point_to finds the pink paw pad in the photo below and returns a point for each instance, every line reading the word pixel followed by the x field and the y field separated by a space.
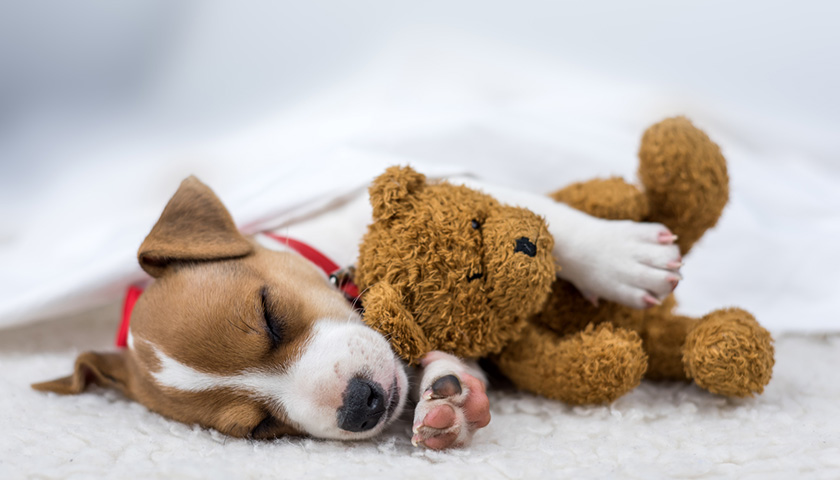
pixel 449 423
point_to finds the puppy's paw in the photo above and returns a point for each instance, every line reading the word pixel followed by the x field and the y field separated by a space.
pixel 635 264
pixel 453 404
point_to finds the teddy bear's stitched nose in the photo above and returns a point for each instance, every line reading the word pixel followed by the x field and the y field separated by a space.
pixel 525 246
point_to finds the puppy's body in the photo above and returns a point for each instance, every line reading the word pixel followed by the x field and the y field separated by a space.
pixel 242 335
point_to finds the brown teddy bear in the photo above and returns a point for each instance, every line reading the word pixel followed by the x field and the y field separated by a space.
pixel 424 250
pixel 581 353
pixel 445 267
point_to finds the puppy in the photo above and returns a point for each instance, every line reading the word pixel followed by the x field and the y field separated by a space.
pixel 257 342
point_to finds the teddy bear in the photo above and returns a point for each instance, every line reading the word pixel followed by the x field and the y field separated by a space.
pixel 422 256
pixel 583 353
pixel 424 248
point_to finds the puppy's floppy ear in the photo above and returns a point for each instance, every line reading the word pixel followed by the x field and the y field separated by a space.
pixel 389 191
pixel 103 369
pixel 194 226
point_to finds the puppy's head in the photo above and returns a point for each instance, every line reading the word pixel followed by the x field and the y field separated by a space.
pixel 246 340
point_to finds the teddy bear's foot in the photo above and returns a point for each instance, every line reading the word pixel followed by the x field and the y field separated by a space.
pixel 729 353
pixel 685 179
pixel 594 366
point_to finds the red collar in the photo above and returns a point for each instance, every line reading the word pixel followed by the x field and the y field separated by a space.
pixel 336 274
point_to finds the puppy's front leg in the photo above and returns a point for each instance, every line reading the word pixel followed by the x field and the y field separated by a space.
pixel 452 402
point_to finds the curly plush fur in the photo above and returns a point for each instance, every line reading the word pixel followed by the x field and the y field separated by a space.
pixel 589 354
pixel 440 267
pixel 428 241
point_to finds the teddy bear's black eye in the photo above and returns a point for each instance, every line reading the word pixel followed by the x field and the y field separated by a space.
pixel 475 224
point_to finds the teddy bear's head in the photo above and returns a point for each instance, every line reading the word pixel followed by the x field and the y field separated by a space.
pixel 461 271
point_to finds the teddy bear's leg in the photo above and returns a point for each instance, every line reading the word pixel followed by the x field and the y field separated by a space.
pixel 663 336
pixel 726 352
pixel 729 353
pixel 385 312
pixel 596 365
pixel 685 179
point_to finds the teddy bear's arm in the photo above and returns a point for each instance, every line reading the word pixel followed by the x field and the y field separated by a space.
pixel 385 312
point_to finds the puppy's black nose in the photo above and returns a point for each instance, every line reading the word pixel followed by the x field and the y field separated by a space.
pixel 525 246
pixel 364 405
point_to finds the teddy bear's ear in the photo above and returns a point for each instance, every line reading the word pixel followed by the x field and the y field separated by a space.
pixel 389 191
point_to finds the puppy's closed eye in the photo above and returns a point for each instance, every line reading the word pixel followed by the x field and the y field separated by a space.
pixel 275 325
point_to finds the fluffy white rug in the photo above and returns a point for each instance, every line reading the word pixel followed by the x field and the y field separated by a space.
pixel 657 431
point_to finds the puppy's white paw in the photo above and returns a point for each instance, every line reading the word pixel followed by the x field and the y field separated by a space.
pixel 635 264
pixel 453 404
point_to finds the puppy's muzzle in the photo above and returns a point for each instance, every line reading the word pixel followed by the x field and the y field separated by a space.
pixel 364 404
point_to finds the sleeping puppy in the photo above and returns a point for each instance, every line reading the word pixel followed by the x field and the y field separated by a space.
pixel 256 342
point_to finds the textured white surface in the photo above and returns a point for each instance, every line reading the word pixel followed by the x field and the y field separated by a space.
pixel 657 431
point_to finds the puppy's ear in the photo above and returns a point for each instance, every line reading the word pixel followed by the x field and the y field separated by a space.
pixel 390 191
pixel 194 226
pixel 103 369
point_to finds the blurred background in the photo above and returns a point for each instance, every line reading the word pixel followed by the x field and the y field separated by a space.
pixel 106 106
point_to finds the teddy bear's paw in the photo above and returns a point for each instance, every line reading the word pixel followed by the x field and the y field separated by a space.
pixel 385 312
pixel 729 353
pixel 453 404
pixel 635 264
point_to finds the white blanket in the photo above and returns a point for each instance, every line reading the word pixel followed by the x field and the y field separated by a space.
pixel 514 120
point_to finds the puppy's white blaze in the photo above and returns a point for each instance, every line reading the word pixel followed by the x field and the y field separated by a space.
pixel 310 391
pixel 174 374
pixel 130 340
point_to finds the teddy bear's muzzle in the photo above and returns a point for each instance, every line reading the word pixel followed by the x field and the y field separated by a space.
pixel 524 245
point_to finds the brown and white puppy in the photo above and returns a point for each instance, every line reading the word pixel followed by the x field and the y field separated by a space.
pixel 258 343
